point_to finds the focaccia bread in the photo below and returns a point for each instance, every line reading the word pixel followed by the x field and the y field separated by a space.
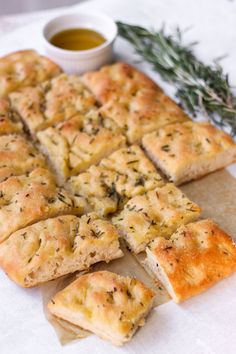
pixel 132 100
pixel 78 143
pixel 190 150
pixel 9 119
pixel 125 173
pixel 97 185
pixel 142 113
pixel 157 213
pixel 30 198
pixel 18 156
pixel 51 102
pixel 117 80
pixel 195 257
pixel 25 68
pixel 107 304
pixel 132 162
pixel 55 247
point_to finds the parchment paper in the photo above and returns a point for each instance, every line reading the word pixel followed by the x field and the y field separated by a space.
pixel 217 189
pixel 216 195
pixel 65 331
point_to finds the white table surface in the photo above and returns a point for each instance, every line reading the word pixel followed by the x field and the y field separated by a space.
pixel 205 324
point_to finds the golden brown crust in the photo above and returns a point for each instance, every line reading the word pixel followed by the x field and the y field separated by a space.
pixel 25 68
pixel 9 119
pixel 157 213
pixel 78 143
pixel 51 102
pixel 30 198
pixel 143 113
pixel 125 173
pixel 132 100
pixel 189 150
pixel 116 80
pixel 195 257
pixel 110 305
pixel 55 247
pixel 18 156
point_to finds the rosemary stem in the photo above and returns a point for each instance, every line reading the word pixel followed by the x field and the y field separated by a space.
pixel 199 87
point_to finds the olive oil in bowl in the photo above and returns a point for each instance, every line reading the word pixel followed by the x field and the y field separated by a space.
pixel 70 40
pixel 77 39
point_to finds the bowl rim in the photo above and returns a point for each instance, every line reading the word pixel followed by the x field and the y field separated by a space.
pixel 86 52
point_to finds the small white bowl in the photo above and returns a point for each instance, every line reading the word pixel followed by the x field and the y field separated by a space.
pixel 80 61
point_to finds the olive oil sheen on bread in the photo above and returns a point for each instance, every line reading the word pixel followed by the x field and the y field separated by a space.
pixel 77 39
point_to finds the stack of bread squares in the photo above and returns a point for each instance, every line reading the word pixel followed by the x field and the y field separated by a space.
pixel 87 160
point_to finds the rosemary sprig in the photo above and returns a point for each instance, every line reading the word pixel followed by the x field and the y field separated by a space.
pixel 200 87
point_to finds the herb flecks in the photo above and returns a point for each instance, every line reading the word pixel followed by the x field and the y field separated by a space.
pixel 140 181
pixel 165 148
pixel 132 161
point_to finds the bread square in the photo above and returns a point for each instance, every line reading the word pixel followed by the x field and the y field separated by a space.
pixel 190 150
pixel 97 186
pixel 9 119
pixel 107 304
pixel 25 68
pixel 157 213
pixel 29 198
pixel 117 80
pixel 145 112
pixel 52 101
pixel 123 174
pixel 132 162
pixel 78 143
pixel 55 247
pixel 195 257
pixel 18 156
pixel 132 100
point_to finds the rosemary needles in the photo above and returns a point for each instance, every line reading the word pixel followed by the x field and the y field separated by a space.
pixel 200 87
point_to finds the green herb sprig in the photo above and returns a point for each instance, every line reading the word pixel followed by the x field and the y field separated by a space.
pixel 200 87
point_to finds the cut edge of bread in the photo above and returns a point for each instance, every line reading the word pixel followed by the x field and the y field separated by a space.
pixel 154 266
pixel 198 168
pixel 83 262
pixel 119 340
